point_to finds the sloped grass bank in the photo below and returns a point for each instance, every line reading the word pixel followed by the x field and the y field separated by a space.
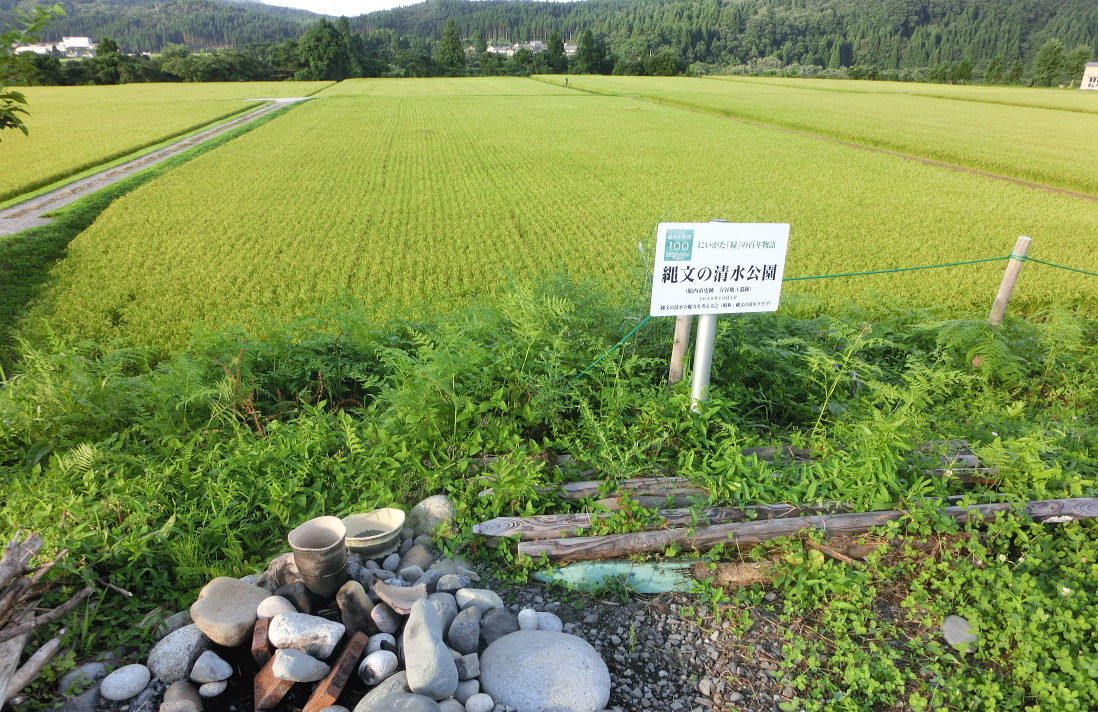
pixel 161 473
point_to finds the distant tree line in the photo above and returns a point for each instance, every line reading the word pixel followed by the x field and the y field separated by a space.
pixel 995 41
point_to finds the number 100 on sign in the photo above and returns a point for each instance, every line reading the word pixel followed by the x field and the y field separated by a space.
pixel 718 268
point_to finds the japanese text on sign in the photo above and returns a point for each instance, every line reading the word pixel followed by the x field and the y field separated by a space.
pixel 718 268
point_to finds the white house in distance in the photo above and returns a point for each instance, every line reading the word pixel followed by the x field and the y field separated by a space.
pixel 68 46
pixel 1090 77
pixel 533 46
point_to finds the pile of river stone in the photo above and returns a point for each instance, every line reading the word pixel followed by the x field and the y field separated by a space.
pixel 434 642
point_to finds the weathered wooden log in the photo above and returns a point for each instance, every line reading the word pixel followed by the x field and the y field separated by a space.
pixel 38 621
pixel 557 526
pixel 750 533
pixel 31 668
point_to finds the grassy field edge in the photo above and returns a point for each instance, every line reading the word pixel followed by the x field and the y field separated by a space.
pixel 26 257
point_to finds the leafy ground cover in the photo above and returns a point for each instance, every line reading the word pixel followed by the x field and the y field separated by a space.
pixel 75 128
pixel 436 196
pixel 1050 147
pixel 161 473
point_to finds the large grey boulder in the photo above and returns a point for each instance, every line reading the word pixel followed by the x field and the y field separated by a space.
pixel 431 669
pixel 426 516
pixel 173 657
pixel 542 671
pixel 226 610
pixel 394 684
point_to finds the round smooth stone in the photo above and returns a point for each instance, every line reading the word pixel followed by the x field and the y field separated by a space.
pixel 125 682
pixel 271 607
pixel 479 702
pixel 213 689
pixel 385 618
pixel 528 619
pixel 375 667
pixel 549 622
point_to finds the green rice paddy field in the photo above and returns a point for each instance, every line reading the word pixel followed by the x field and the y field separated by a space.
pixel 404 190
pixel 74 128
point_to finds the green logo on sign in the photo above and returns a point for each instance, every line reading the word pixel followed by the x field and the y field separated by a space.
pixel 679 246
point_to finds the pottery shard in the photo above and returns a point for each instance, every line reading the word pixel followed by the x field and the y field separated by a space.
pixel 331 687
pixel 226 610
pixel 355 607
pixel 283 570
pixel 400 599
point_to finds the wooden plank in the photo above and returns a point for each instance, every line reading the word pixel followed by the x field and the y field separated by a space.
pixel 750 533
pixel 557 526
pixel 654 486
pixel 649 577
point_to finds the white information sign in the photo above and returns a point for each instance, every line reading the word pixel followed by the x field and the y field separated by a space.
pixel 718 268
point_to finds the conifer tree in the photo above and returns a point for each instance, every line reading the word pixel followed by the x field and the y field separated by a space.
pixel 449 53
pixel 994 72
pixel 555 51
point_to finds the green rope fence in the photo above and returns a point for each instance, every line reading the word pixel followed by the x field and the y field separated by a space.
pixel 1022 258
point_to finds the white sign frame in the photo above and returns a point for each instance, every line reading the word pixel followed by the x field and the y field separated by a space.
pixel 718 268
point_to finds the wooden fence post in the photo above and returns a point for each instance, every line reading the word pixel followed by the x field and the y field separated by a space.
pixel 678 347
pixel 1010 276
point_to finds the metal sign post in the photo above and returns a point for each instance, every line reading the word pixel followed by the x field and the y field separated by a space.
pixel 716 268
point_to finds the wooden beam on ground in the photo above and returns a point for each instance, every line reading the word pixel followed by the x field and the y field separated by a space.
pixel 31 668
pixel 750 533
pixel 557 526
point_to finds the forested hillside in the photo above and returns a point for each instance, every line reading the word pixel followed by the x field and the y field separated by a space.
pixel 886 34
pixel 891 34
pixel 147 25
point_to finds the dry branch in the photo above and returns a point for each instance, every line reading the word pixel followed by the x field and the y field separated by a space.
pixel 749 533
pixel 17 555
pixel 31 668
pixel 39 621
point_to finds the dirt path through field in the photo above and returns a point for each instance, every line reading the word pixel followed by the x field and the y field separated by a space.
pixel 31 213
